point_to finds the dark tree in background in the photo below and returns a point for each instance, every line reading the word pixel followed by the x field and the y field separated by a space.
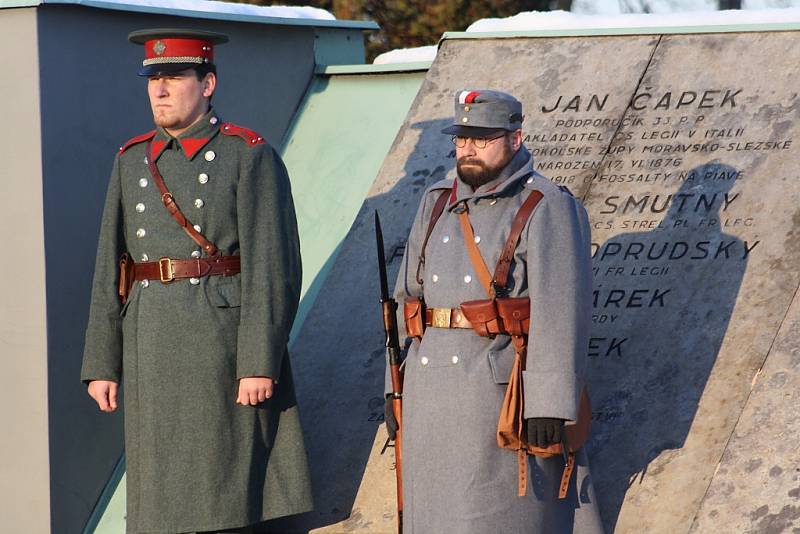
pixel 407 23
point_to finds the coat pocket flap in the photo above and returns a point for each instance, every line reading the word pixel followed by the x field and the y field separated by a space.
pixel 225 291
pixel 501 360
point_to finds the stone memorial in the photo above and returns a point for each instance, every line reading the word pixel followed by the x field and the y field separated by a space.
pixel 682 148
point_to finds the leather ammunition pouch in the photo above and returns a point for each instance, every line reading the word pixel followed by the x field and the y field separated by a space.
pixel 414 315
pixel 503 315
pixel 482 314
pixel 126 277
pixel 515 313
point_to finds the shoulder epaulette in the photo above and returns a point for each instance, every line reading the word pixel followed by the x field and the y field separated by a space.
pixel 248 135
pixel 444 183
pixel 138 139
pixel 565 189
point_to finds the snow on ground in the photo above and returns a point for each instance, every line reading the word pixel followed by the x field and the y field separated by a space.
pixel 565 20
pixel 288 12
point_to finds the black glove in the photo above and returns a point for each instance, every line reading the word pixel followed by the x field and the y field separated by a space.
pixel 388 415
pixel 544 431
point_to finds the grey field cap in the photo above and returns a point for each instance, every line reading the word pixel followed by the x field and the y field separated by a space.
pixel 485 112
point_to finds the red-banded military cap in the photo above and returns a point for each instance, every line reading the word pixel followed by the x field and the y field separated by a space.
pixel 484 113
pixel 169 50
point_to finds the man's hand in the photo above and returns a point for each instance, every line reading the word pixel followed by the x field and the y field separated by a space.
pixel 104 392
pixel 544 431
pixel 254 389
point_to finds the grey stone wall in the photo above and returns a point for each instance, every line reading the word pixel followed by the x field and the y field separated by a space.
pixel 683 150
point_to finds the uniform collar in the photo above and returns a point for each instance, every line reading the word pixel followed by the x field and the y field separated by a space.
pixel 192 140
pixel 520 166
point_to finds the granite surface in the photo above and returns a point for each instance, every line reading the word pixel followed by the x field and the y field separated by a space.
pixel 682 150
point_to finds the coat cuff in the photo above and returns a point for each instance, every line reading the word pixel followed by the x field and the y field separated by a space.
pixel 260 351
pixel 102 353
pixel 551 394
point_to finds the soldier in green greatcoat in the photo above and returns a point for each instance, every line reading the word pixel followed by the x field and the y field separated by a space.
pixel 212 433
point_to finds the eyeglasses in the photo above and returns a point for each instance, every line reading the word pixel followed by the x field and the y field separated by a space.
pixel 479 142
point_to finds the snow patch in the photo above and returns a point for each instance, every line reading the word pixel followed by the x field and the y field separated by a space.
pixel 213 6
pixel 565 20
pixel 407 55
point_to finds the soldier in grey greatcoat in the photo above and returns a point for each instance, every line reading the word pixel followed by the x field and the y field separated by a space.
pixel 212 433
pixel 456 479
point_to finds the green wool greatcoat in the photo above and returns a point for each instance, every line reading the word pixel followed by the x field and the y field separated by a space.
pixel 196 460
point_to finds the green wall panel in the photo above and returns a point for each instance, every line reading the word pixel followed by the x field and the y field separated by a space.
pixel 333 151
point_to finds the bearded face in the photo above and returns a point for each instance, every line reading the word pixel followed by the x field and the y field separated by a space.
pixel 477 167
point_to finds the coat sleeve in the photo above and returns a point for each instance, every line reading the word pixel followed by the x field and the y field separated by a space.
pixel 102 353
pixel 406 285
pixel 271 270
pixel 560 284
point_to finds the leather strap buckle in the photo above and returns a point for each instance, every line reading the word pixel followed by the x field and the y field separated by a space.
pixel 441 317
pixel 165 272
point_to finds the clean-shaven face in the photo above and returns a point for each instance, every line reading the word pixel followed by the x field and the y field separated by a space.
pixel 178 100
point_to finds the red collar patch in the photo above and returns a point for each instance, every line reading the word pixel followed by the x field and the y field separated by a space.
pixel 192 146
pixel 157 148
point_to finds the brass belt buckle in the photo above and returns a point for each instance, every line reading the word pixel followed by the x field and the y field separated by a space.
pixel 165 270
pixel 441 317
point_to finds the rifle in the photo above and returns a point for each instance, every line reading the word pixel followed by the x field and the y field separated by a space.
pixel 389 306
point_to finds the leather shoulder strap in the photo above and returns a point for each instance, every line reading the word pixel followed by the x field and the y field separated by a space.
pixel 500 281
pixel 136 140
pixel 475 254
pixel 174 210
pixel 438 209
pixel 252 138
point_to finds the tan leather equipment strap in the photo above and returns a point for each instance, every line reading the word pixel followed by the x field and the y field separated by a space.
pixel 173 209
pixel 503 267
pixel 566 475
pixel 438 209
pixel 522 458
pixel 474 254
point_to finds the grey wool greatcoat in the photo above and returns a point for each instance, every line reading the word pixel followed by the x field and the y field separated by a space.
pixel 196 460
pixel 455 477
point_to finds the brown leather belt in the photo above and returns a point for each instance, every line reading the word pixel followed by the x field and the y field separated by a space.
pixel 167 269
pixel 446 318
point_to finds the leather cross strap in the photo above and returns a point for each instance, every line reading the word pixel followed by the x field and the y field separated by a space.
pixel 167 269
pixel 501 271
pixel 438 209
pixel 173 209
pixel 475 254
pixel 503 267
